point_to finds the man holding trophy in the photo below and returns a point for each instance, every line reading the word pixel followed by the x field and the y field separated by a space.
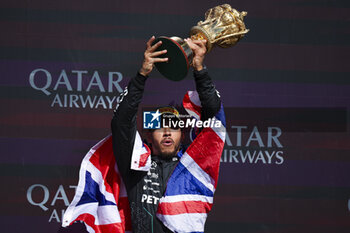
pixel 155 206
pixel 164 143
pixel 170 186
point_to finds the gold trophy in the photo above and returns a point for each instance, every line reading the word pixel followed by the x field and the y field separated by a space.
pixel 223 26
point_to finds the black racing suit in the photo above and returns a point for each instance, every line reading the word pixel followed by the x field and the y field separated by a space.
pixel 144 189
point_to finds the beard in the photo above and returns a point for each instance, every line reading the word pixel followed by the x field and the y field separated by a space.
pixel 166 154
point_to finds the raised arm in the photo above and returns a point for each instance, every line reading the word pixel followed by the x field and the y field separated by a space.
pixel 124 119
pixel 207 92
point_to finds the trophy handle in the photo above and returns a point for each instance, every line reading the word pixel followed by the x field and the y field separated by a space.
pixel 197 33
pixel 179 55
pixel 223 26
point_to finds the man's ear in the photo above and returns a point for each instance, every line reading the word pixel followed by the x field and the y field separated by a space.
pixel 149 137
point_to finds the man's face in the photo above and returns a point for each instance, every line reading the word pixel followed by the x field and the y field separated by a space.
pixel 165 141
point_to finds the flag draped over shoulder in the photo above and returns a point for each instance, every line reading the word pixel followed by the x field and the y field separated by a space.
pixel 190 189
pixel 101 201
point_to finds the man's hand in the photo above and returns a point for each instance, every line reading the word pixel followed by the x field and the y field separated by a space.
pixel 199 49
pixel 151 57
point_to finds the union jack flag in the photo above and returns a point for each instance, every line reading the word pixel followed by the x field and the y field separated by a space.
pixel 101 201
pixel 190 189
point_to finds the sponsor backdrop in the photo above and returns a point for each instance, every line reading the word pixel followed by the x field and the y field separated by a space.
pixel 285 87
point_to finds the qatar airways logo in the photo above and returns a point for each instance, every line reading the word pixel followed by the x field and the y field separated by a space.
pixel 254 145
pixel 73 89
pixel 52 201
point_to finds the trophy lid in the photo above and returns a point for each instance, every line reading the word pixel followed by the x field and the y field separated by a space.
pixel 178 64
